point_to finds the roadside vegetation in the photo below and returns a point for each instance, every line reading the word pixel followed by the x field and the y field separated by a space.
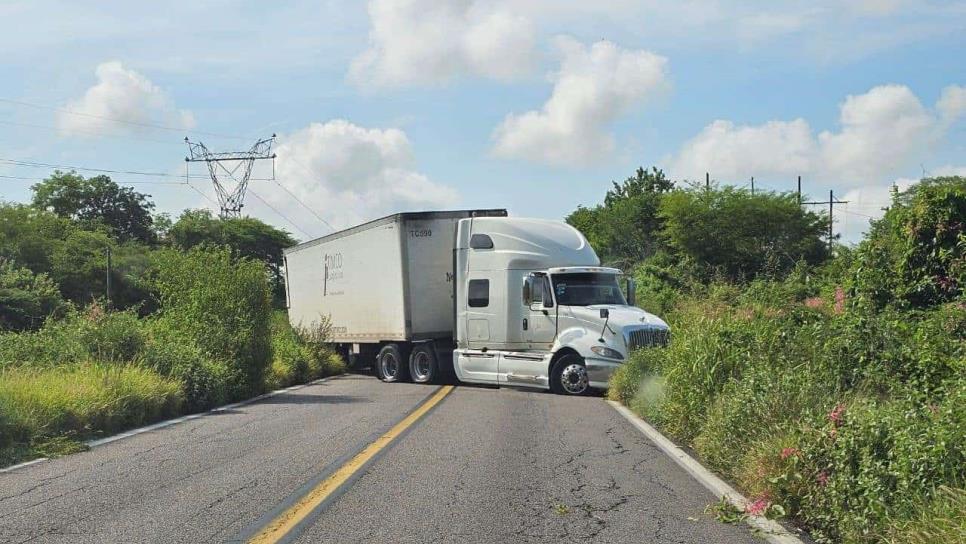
pixel 192 321
pixel 829 386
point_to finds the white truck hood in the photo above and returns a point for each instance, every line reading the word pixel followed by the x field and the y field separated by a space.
pixel 620 316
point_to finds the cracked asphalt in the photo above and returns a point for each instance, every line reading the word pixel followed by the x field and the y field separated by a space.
pixel 486 465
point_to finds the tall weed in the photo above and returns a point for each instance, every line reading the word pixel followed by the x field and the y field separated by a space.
pixel 223 305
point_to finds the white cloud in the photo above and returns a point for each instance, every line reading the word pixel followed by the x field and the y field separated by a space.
pixel 427 42
pixel 349 174
pixel 593 87
pixel 123 95
pixel 881 132
pixel 952 103
pixel 736 152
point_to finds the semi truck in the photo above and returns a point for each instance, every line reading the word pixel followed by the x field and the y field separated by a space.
pixel 490 298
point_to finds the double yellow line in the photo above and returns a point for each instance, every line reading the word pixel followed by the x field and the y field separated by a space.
pixel 283 524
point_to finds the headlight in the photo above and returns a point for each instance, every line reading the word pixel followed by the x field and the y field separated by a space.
pixel 606 352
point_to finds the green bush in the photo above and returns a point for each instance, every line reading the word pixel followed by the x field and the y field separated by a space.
pixel 26 299
pixel 879 460
pixel 300 355
pixel 915 255
pixel 91 335
pixel 223 305
pixel 206 383
pixel 752 375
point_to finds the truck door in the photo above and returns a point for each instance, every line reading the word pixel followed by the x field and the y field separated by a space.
pixel 479 317
pixel 540 326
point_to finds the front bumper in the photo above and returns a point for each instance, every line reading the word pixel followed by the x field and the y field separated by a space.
pixel 600 370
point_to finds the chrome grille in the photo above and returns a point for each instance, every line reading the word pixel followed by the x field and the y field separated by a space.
pixel 647 337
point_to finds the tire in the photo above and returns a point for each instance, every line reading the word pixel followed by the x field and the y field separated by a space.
pixel 422 364
pixel 390 364
pixel 569 376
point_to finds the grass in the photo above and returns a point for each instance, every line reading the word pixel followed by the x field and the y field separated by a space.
pixel 939 521
pixel 94 373
pixel 299 356
pixel 47 411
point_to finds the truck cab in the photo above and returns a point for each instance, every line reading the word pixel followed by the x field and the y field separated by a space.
pixel 535 308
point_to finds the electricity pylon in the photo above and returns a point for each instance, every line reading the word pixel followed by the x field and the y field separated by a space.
pixel 233 166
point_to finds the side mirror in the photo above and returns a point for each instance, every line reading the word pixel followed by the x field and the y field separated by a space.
pixel 631 292
pixel 547 293
pixel 604 313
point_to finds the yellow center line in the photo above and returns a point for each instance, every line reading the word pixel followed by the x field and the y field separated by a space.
pixel 279 527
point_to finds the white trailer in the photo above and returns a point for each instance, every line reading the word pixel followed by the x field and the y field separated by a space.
pixel 498 300
pixel 388 280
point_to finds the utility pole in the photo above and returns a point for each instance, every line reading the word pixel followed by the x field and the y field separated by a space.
pixel 831 203
pixel 707 181
pixel 239 169
pixel 752 185
pixel 108 277
pixel 799 190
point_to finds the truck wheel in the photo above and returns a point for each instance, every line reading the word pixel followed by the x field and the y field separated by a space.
pixel 422 364
pixel 390 364
pixel 569 376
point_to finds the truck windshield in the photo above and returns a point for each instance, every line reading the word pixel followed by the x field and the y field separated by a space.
pixel 587 288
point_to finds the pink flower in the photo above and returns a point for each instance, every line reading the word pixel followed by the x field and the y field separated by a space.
pixel 837 414
pixel 789 452
pixel 839 300
pixel 822 478
pixel 814 302
pixel 757 507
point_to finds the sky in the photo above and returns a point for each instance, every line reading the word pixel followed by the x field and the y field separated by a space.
pixel 531 105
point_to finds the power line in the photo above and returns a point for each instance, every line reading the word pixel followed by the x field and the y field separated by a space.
pixel 122 182
pixel 859 214
pixel 201 193
pixel 831 217
pixel 309 172
pixel 306 206
pixel 182 183
pixel 280 214
pixel 92 134
pixel 34 164
pixel 114 119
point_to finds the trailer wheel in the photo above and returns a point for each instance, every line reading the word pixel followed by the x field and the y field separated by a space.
pixel 569 376
pixel 422 364
pixel 391 365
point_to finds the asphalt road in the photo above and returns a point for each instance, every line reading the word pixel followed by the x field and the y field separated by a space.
pixel 484 465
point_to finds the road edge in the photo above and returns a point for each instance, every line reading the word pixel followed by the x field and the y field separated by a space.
pixel 770 530
pixel 91 444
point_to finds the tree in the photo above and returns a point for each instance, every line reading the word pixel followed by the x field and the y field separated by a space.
pixel 26 299
pixel 625 228
pixel 29 236
pixel 915 254
pixel 97 200
pixel 74 257
pixel 247 236
pixel 730 232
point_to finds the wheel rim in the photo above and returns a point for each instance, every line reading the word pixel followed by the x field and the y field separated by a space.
pixel 390 366
pixel 574 379
pixel 421 366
